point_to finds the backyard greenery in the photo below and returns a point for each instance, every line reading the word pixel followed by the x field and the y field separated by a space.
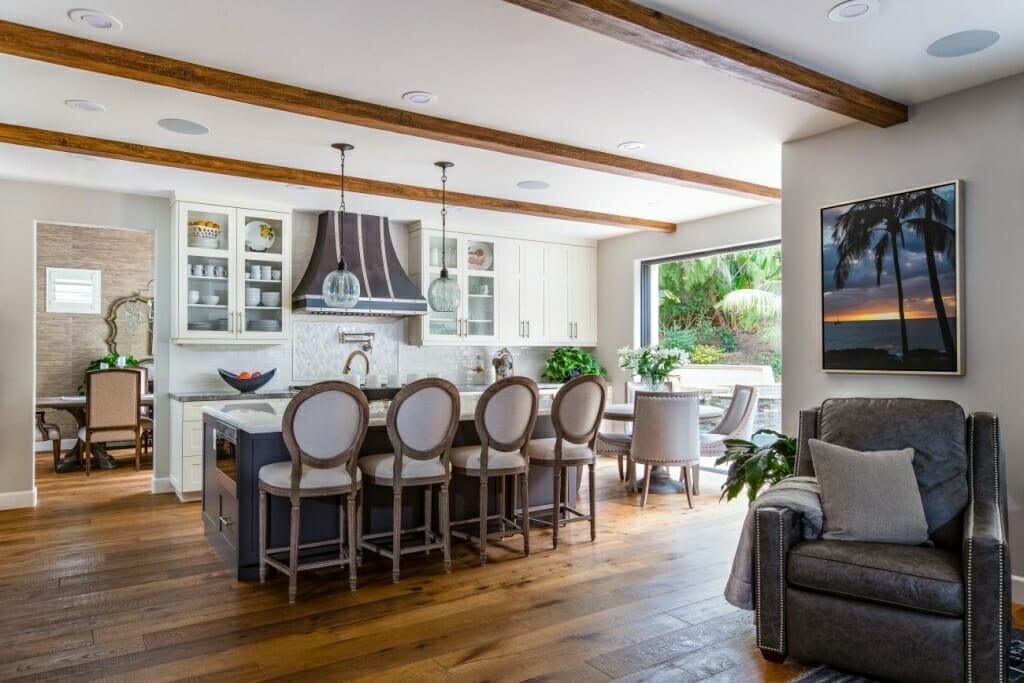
pixel 724 308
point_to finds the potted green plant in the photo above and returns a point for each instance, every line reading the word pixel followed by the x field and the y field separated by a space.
pixel 111 360
pixel 652 363
pixel 567 362
pixel 752 466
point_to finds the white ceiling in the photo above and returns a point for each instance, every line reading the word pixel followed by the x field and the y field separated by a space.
pixel 490 63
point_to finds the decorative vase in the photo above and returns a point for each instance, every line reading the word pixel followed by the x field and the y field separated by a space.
pixel 654 383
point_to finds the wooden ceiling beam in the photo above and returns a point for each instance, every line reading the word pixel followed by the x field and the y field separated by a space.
pixel 649 29
pixel 78 53
pixel 158 156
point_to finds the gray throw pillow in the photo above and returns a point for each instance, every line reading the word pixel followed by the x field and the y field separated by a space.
pixel 869 496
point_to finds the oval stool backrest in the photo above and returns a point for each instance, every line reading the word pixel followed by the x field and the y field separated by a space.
pixel 578 409
pixel 507 414
pixel 324 427
pixel 422 419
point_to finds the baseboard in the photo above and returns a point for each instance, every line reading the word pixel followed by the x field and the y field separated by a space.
pixel 18 499
pixel 65 444
pixel 162 485
pixel 1017 588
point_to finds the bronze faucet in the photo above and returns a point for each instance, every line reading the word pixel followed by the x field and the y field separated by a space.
pixel 348 362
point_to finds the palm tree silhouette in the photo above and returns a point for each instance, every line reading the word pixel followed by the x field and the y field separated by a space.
pixel 855 229
pixel 853 232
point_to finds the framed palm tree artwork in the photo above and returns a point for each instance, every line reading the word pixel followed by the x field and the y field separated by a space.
pixel 891 294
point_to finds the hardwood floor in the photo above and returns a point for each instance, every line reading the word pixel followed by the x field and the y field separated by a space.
pixel 105 580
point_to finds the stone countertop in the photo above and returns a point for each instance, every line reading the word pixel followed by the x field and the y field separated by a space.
pixel 256 417
pixel 190 396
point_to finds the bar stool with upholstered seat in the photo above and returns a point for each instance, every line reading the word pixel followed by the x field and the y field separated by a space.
pixel 505 417
pixel 421 425
pixel 576 415
pixel 323 428
pixel 112 399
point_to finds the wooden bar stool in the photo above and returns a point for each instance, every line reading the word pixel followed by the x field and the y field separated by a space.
pixel 421 425
pixel 576 415
pixel 505 417
pixel 323 427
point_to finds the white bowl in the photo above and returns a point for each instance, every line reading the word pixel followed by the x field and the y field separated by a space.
pixel 271 298
pixel 211 300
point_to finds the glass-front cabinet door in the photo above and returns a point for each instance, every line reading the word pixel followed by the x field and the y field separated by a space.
pixel 442 325
pixel 263 248
pixel 480 312
pixel 205 294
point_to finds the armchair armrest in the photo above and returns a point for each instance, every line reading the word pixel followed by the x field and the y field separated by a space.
pixel 987 583
pixel 777 529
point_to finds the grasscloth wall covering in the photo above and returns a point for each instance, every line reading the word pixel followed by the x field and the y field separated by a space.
pixel 67 342
pixel 976 135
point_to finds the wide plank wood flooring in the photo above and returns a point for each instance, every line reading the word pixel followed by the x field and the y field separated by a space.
pixel 104 580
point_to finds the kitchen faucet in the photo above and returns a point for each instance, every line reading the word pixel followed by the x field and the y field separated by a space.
pixel 348 362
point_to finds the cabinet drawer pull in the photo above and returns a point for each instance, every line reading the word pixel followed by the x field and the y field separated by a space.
pixel 226 521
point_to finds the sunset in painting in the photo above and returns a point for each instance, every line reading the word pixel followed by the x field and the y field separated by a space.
pixel 889 284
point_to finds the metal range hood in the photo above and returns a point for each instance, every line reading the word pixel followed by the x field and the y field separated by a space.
pixel 386 290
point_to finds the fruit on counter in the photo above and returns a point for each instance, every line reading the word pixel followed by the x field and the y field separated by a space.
pixel 256 374
pixel 244 375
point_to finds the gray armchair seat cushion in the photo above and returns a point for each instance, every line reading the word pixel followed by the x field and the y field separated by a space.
pixel 912 577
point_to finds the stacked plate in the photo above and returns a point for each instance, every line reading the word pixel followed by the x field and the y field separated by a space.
pixel 220 325
pixel 263 325
pixel 200 326
pixel 204 242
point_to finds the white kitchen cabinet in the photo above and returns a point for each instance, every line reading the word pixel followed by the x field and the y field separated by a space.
pixel 523 320
pixel 473 262
pixel 223 268
pixel 570 292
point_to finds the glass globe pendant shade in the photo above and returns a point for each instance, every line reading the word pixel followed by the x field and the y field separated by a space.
pixel 341 288
pixel 443 295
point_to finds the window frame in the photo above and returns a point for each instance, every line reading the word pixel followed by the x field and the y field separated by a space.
pixel 95 278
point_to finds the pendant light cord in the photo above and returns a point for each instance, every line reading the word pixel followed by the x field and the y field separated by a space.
pixel 339 220
pixel 444 219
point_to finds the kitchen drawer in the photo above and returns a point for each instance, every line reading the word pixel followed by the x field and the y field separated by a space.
pixel 192 438
pixel 192 473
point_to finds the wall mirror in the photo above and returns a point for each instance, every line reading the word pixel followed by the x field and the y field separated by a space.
pixel 130 323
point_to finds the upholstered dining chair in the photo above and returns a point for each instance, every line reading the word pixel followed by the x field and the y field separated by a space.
pixel 421 424
pixel 323 427
pixel 45 431
pixel 737 423
pixel 616 444
pixel 146 420
pixel 505 417
pixel 576 415
pixel 666 433
pixel 112 400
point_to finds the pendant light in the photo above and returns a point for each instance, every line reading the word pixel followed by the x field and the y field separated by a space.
pixel 341 287
pixel 443 295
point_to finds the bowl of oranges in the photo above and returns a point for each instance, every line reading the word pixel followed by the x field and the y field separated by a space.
pixel 247 382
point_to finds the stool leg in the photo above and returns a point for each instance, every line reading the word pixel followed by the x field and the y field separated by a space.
pixel 556 511
pixel 501 503
pixel 359 527
pixel 525 479
pixel 352 542
pixel 593 503
pixel 428 515
pixel 446 535
pixel 396 531
pixel 293 552
pixel 263 536
pixel 483 519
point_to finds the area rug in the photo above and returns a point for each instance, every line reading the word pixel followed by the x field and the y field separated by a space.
pixel 825 674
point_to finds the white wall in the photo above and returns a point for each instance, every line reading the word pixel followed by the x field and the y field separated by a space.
pixel 976 135
pixel 618 271
pixel 21 204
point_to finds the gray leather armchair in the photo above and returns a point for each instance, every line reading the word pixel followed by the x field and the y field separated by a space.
pixel 908 613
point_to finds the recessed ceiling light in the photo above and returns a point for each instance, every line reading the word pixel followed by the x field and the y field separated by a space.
pixel 632 146
pixel 94 19
pixel 183 126
pixel 80 157
pixel 963 43
pixel 419 97
pixel 85 105
pixel 853 10
pixel 533 185
pixel 296 187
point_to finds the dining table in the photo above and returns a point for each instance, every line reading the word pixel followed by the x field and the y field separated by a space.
pixel 661 480
pixel 76 407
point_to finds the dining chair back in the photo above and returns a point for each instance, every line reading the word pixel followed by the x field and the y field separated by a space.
pixel 112 400
pixel 738 421
pixel 666 433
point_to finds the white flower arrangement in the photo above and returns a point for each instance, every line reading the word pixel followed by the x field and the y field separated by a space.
pixel 652 363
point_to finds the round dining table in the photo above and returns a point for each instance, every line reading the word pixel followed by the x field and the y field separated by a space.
pixel 76 406
pixel 661 480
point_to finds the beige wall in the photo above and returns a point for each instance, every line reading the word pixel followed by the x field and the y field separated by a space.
pixel 67 342
pixel 21 205
pixel 976 135
pixel 618 271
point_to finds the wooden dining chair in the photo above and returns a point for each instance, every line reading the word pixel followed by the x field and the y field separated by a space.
pixel 45 431
pixel 666 433
pixel 323 427
pixel 576 415
pixel 112 400
pixel 505 417
pixel 421 424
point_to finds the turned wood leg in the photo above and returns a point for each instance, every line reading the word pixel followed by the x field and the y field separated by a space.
pixel 686 485
pixel 647 485
pixel 446 534
pixel 501 503
pixel 556 510
pixel 138 450
pixel 359 527
pixel 396 532
pixel 525 483
pixel 483 520
pixel 579 480
pixel 293 553
pixel 56 454
pixel 695 479
pixel 263 536
pixel 593 503
pixel 352 542
pixel 622 473
pixel 88 455
pixel 428 516
pixel 342 527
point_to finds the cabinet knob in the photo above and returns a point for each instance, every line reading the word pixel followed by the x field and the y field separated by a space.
pixel 226 521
